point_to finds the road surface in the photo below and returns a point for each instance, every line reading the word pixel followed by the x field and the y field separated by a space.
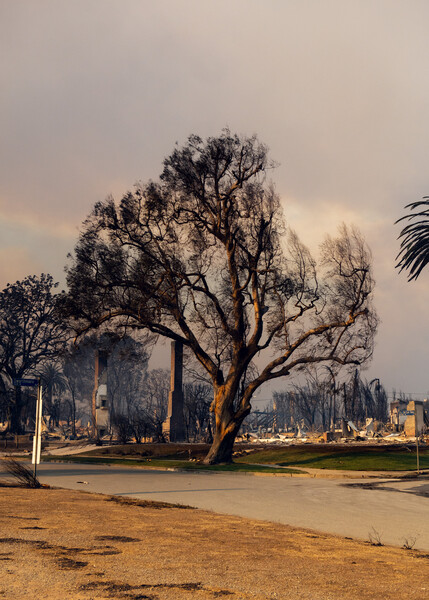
pixel 395 511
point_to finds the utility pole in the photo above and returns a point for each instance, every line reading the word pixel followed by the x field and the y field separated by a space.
pixel 417 451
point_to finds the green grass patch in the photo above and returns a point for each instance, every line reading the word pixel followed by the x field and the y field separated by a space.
pixel 353 459
pixel 150 450
pixel 172 464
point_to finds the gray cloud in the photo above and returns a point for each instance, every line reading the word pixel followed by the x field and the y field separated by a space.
pixel 96 92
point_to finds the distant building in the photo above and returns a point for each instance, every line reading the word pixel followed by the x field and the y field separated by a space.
pixel 411 417
pixel 100 409
pixel 398 414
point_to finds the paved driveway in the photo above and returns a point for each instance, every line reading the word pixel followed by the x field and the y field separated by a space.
pixel 396 510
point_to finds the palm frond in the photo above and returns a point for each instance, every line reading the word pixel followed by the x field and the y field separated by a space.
pixel 414 250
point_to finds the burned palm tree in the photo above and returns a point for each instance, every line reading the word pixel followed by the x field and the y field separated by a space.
pixel 54 383
pixel 414 252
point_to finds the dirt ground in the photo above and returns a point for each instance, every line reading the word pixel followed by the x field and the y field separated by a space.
pixel 61 544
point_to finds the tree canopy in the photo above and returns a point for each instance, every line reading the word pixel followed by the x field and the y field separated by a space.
pixel 31 332
pixel 203 257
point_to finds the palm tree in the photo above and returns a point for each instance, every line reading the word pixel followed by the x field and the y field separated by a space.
pixel 414 253
pixel 54 384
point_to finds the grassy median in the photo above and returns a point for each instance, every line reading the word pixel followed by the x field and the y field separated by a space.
pixel 291 459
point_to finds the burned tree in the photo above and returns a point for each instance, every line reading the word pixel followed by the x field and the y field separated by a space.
pixel 203 257
pixel 197 400
pixel 54 384
pixel 30 334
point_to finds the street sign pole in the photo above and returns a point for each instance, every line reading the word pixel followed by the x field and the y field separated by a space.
pixel 37 439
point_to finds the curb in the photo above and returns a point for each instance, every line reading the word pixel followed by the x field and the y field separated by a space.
pixel 396 475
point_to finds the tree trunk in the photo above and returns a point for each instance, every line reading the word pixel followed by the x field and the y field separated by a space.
pixel 222 446
pixel 223 440
pixel 73 411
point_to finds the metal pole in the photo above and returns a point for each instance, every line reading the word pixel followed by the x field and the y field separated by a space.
pixel 418 458
pixel 37 439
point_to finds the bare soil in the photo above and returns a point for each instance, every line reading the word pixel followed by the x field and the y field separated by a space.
pixel 60 545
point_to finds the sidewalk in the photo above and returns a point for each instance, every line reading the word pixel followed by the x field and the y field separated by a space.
pixel 334 474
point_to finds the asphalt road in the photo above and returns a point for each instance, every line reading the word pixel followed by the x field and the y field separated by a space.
pixel 395 511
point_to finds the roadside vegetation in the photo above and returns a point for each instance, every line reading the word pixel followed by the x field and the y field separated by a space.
pixel 154 463
pixel 358 458
pixel 291 459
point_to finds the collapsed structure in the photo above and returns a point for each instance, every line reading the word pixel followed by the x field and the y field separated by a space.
pixel 410 417
pixel 100 410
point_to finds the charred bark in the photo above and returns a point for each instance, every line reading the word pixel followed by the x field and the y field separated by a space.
pixel 223 445
pixel 227 427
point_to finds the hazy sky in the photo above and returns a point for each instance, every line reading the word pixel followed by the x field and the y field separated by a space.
pixel 95 93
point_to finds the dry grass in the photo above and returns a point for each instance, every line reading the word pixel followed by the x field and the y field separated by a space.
pixel 21 473
pixel 78 546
